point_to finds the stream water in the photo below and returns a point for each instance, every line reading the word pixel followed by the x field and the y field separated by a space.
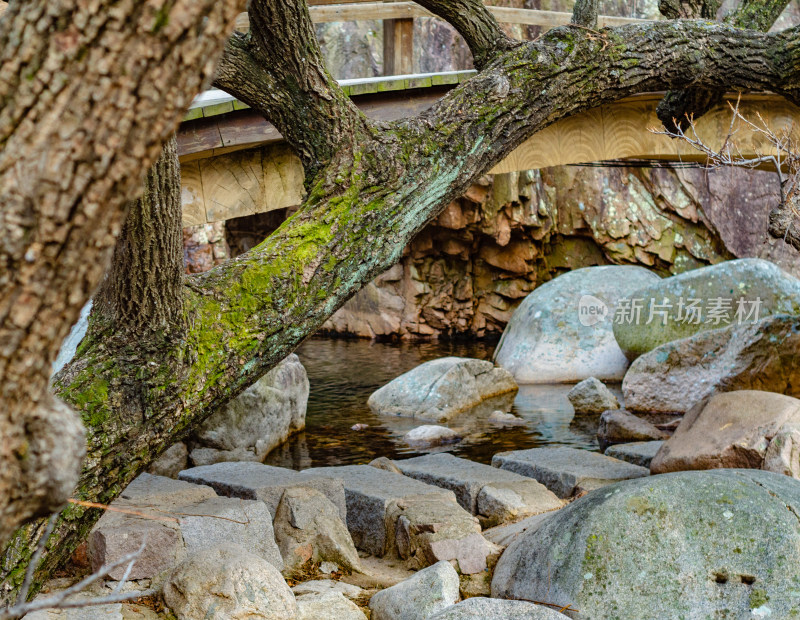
pixel 343 374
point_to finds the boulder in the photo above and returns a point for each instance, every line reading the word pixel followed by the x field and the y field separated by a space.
pixel 424 524
pixel 592 396
pixel 174 518
pixel 638 452
pixel 429 591
pixel 619 426
pixel 731 429
pixel 385 464
pixel 783 452
pixel 440 389
pixel 505 419
pixel 370 493
pixel 431 435
pixel 259 419
pixel 308 528
pixel 228 583
pixel 263 482
pixel 567 471
pixel 733 292
pixel 118 534
pixel 703 544
pixel 172 462
pixel 327 606
pixel 677 375
pixel 480 608
pixel 222 520
pixel 562 331
pixel 485 491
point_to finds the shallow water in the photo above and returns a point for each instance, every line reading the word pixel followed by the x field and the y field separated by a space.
pixel 343 374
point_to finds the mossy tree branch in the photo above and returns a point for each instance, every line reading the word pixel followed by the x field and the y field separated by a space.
pixel 584 13
pixel 677 106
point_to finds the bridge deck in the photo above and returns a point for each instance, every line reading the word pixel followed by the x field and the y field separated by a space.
pixel 234 162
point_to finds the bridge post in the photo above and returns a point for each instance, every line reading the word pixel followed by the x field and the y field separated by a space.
pixel 398 46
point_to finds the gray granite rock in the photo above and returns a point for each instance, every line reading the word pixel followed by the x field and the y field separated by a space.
pixel 562 332
pixel 327 606
pixel 263 482
pixel 222 520
pixel 259 419
pixel 619 426
pixel 504 535
pixel 479 608
pixel 481 489
pixel 172 462
pixel 308 528
pixel 440 389
pixel 783 451
pixel 431 435
pixel 701 544
pixel 228 583
pixel 567 471
pixel 592 396
pixel 370 493
pixel 638 452
pixel 118 534
pixel 429 591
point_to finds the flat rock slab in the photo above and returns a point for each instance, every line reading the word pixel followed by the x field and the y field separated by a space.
pixel 163 491
pixel 249 480
pixel 480 488
pixel 638 453
pixel 568 471
pixel 370 494
pixel 480 608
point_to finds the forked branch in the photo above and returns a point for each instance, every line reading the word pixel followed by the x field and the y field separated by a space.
pixel 784 158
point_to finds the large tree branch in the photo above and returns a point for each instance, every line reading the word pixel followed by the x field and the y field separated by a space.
pixel 473 21
pixel 278 69
pixel 584 13
pixel 88 93
pixel 677 106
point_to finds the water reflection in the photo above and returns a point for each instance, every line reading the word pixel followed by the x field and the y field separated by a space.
pixel 343 373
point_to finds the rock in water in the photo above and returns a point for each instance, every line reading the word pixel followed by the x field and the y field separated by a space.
pixel 592 396
pixel 562 331
pixel 228 583
pixel 440 389
pixel 734 292
pixel 732 429
pixel 479 608
pixel 427 592
pixel 259 419
pixel 619 426
pixel 675 376
pixel 710 544
pixel 308 528
pixel 431 435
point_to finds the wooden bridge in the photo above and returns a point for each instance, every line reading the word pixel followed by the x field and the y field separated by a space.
pixel 234 163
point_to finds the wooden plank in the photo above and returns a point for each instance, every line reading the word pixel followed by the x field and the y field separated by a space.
pixel 283 178
pixel 356 10
pixel 232 185
pixel 194 209
pixel 398 46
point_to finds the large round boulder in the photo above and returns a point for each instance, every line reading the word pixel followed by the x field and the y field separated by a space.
pixel 562 332
pixel 702 544
pixel 440 389
pixel 730 293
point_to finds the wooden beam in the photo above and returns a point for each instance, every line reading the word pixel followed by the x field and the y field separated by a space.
pixel 398 46
pixel 361 10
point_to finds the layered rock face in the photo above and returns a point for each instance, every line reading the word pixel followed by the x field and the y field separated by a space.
pixel 469 269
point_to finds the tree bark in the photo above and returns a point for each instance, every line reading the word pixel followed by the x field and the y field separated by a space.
pixel 88 92
pixel 676 107
pixel 141 296
pixel 367 199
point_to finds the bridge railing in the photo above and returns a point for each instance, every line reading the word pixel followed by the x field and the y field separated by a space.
pixel 398 23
